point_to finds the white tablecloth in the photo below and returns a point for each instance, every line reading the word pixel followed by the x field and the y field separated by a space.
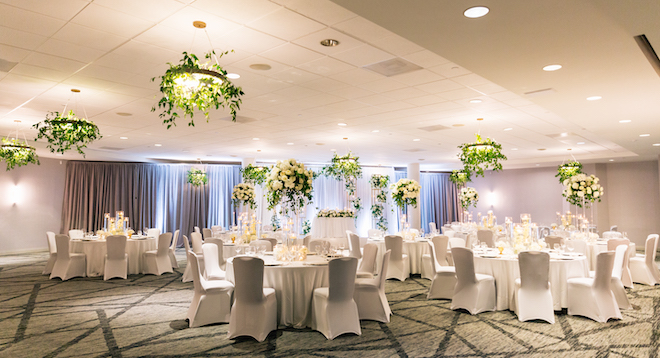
pixel 294 284
pixel 332 227
pixel 414 250
pixel 506 271
pixel 95 251
pixel 229 250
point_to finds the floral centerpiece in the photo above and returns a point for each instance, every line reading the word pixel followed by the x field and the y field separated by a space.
pixel 244 194
pixel 567 170
pixel 582 189
pixel 254 174
pixel 290 185
pixel 66 130
pixel 379 183
pixel 348 169
pixel 405 192
pixel 17 153
pixel 327 213
pixel 468 197
pixel 197 177
pixel 523 241
pixel 481 155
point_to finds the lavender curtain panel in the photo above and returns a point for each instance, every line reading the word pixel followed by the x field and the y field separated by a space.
pixel 438 199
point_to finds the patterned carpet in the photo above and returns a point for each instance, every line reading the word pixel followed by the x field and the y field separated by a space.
pixel 144 316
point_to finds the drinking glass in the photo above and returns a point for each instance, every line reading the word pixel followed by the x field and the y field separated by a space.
pixel 238 250
pixel 570 246
pixel 556 246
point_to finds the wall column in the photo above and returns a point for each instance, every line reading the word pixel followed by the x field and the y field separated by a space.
pixel 414 214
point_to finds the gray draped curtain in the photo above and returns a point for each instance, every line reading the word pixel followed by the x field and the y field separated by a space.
pixel 438 199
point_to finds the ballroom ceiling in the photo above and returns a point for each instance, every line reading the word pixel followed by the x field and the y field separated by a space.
pixel 110 50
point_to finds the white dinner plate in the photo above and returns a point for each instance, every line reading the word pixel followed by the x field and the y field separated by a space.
pixel 488 256
pixel 319 263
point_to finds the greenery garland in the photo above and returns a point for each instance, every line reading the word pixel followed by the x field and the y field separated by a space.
pixel 17 153
pixel 197 177
pixel 379 182
pixel 255 175
pixel 460 177
pixel 567 170
pixel 211 91
pixel 65 130
pixel 348 169
pixel 481 155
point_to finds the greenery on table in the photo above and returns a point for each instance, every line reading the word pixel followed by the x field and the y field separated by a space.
pixel 243 193
pixel 481 155
pixel 405 192
pixel 17 153
pixel 62 131
pixel 197 177
pixel 379 182
pixel 254 174
pixel 191 85
pixel 329 213
pixel 348 169
pixel 289 184
pixel 459 177
pixel 582 190
pixel 567 170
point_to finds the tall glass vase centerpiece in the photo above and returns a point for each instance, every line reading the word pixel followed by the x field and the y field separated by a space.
pixel 289 185
pixel 582 190
pixel 405 192
pixel 468 197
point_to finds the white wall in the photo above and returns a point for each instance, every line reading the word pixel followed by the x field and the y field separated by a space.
pixel 38 192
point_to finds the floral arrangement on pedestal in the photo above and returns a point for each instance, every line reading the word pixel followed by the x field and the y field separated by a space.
pixel 197 177
pixel 568 170
pixel 481 155
pixel 17 153
pixel 289 184
pixel 254 175
pixel 62 131
pixel 468 197
pixel 405 192
pixel 327 213
pixel 244 194
pixel 582 190
pixel 379 185
pixel 348 169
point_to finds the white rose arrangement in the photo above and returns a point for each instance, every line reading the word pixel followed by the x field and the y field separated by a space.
pixel 405 192
pixel 244 194
pixel 468 197
pixel 289 184
pixel 326 213
pixel 582 188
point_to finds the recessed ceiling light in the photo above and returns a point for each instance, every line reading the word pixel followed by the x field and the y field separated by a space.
pixel 594 98
pixel 333 150
pixel 233 76
pixel 255 138
pixel 541 149
pixel 420 159
pixel 124 114
pixel 625 121
pixel 158 145
pixel 514 148
pixel 345 138
pixel 656 144
pixel 645 135
pixel 341 124
pixel 123 137
pixel 289 143
pixel 611 160
pixel 416 140
pixel 457 125
pixel 580 143
pixel 233 155
pixel 476 101
pixel 329 43
pixel 508 129
pixel 538 165
pixel 563 134
pixel 185 151
pixel 550 68
pixel 375 131
pixel 258 150
pixel 476 11
pixel 260 66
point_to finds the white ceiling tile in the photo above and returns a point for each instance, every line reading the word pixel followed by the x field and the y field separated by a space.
pixel 12 53
pixel 325 84
pixel 374 100
pixel 503 96
pixel 40 72
pixel 244 65
pixel 461 93
pixel 439 86
pixel 60 9
pixel 418 77
pixel 68 50
pixel 295 93
pixel 425 100
pixel 397 45
pixel 363 55
pixel 110 21
pixel 294 76
pixel 426 59
pixel 470 80
pixel 286 24
pixel 518 102
pixel 405 93
pixel 291 54
pixel 151 10
pixel 449 70
pixel 351 92
pixel 489 89
pixel 53 62
pixel 313 41
pixel 250 40
pixel 326 66
pixel 382 85
pixel 29 21
pixel 363 29
pixel 242 11
pixel 84 36
pixel 323 11
pixel 20 39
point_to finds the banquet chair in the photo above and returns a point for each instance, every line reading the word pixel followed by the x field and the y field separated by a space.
pixel 67 265
pixel 552 240
pixel 626 277
pixel 197 241
pixel 217 228
pixel 306 240
pixel 353 245
pixel 621 252
pixel 642 267
pixel 52 250
pixel 444 277
pixel 317 245
pixel 206 233
pixel 76 234
pixel 155 233
pixel 211 302
pixel 373 233
pixel 427 261
pixel 116 258
pixel 399 262
pixel 254 312
pixel 579 245
pixel 212 270
pixel 532 295
pixel 611 234
pixel 196 229
pixel 221 249
pixel 187 272
pixel 370 295
pixel 473 292
pixel 593 297
pixel 432 228
pixel 334 311
pixel 454 242
pixel 265 244
pixel 486 236
pixel 172 251
pixel 158 261
pixel 273 242
pixel 367 265
pixel 614 228
pixel 449 233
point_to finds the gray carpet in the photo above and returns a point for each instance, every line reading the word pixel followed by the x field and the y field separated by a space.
pixel 144 316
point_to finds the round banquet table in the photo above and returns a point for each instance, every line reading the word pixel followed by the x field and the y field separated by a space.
pixel 332 227
pixel 294 284
pixel 414 250
pixel 505 269
pixel 95 251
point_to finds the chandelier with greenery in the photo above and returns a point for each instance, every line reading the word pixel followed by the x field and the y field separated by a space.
pixel 481 155
pixel 197 177
pixel 16 152
pixel 254 174
pixel 568 170
pixel 459 177
pixel 64 130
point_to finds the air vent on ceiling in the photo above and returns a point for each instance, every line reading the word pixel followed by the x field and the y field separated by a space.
pixel 111 148
pixel 6 66
pixel 239 119
pixel 541 92
pixel 414 150
pixel 433 128
pixel 393 67
pixel 649 52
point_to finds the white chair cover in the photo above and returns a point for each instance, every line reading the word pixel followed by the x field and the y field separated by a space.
pixel 353 245
pixel 593 297
pixel 187 272
pixel 612 234
pixel 196 229
pixel 444 277
pixel 76 234
pixel 486 236
pixel 212 270
pixel 211 300
pixel 221 250
pixel 52 250
pixel 454 242
pixel 158 262
pixel 552 240
pixel 67 265
pixel 273 242
pixel 440 256
pixel 197 241
pixel 367 266
pixel 642 267
pixel 399 263
pixel 614 228
pixel 373 233
pixel 254 312
pixel 317 245
pixel 579 245
pixel 155 233
pixel 206 233
pixel 370 296
pixel 116 258
pixel 172 252
pixel 262 243
pixel 473 292
pixel 621 252
pixel 217 228
pixel 432 228
pixel 334 311
pixel 306 241
pixel 626 276
pixel 532 295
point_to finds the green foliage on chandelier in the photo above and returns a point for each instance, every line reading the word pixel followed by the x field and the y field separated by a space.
pixel 197 177
pixel 459 177
pixel 481 155
pixel 254 174
pixel 17 153
pixel 210 90
pixel 344 168
pixel 62 131
pixel 380 183
pixel 568 170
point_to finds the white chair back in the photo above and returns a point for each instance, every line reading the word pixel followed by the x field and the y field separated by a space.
pixel 611 234
pixel 186 243
pixel 604 264
pixel 486 236
pixel 265 244
pixel 432 228
pixel 449 233
pixel 317 245
pixel 155 233
pixel 62 243
pixel 394 243
pixel 456 242
pixel 534 270
pixel 197 242
pixel 464 263
pixel 369 255
pixel 353 245
pixel 196 229
pixel 614 228
pixel 175 240
pixel 164 244
pixel 552 240
pixel 193 261
pixel 439 252
pixel 76 234
pixel 206 233
pixel 579 245
pixel 373 233
pixel 211 260
pixel 217 228
pixel 341 272
pixel 306 240
pixel 220 248
pixel 383 270
pixel 116 247
pixel 273 242
pixel 52 246
pixel 248 279
pixel 619 254
pixel 649 249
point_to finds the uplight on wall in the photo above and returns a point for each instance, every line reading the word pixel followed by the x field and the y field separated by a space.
pixel 15 194
pixel 492 199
